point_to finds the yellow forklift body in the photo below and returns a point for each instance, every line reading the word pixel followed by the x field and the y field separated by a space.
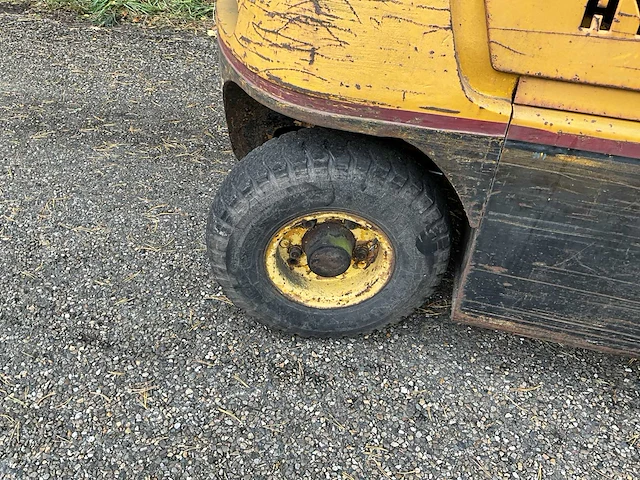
pixel 531 110
pixel 397 55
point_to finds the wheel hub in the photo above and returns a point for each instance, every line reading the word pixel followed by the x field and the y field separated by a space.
pixel 329 248
pixel 329 260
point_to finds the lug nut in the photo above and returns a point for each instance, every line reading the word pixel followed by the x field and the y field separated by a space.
pixel 295 252
pixel 360 253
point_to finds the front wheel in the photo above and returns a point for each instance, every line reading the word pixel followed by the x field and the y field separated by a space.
pixel 324 233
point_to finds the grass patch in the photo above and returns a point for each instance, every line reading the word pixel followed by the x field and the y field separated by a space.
pixel 112 12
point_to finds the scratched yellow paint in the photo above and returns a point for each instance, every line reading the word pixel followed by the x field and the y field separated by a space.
pixel 574 97
pixel 397 54
pixel 556 121
pixel 545 38
pixel 434 57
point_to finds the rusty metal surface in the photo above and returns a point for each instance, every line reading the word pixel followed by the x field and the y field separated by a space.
pixel 541 333
pixel 295 277
pixel 250 124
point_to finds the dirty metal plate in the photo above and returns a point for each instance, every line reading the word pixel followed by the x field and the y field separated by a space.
pixel 558 253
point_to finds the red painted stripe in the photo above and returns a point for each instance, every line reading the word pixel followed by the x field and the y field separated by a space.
pixel 576 142
pixel 353 110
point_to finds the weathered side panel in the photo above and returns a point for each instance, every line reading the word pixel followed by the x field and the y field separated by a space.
pixel 583 41
pixel 558 253
pixel 468 161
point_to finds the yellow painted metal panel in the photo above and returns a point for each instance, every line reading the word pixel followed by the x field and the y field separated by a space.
pixel 576 124
pixel 397 55
pixel 579 98
pixel 546 38
pixel 482 83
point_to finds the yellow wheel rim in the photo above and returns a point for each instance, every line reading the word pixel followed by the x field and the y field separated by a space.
pixel 370 268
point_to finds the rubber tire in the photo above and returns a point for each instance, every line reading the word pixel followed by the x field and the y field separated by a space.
pixel 313 170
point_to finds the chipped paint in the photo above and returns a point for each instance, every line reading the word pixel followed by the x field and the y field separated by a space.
pixel 546 38
pixel 333 49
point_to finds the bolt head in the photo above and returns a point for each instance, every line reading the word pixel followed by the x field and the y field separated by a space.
pixel 360 253
pixel 295 252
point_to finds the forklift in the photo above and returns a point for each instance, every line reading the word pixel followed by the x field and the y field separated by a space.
pixel 382 144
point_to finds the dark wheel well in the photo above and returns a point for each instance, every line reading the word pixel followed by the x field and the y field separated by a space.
pixel 251 124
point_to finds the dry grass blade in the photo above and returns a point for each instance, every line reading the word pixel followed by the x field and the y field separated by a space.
pixel 63 404
pixel 42 399
pixel 434 309
pixel 230 414
pixel 5 380
pixel 374 450
pixel 527 389
pixel 13 213
pixel 333 420
pixel 33 273
pixel 522 409
pixel 379 467
pixel 50 205
pixel 240 381
pixel 16 400
pixel 131 276
pixel 219 298
pixel 154 214
pixel 142 391
pixel 482 468
pixel 14 425
pixel 82 229
pixel 204 362
pixel 154 248
pixel 41 135
pixel 101 395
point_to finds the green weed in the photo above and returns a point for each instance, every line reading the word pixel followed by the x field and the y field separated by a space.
pixel 111 12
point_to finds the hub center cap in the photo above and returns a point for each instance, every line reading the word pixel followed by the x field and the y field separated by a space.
pixel 329 248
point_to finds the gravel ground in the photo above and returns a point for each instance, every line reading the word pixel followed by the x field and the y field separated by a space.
pixel 121 358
